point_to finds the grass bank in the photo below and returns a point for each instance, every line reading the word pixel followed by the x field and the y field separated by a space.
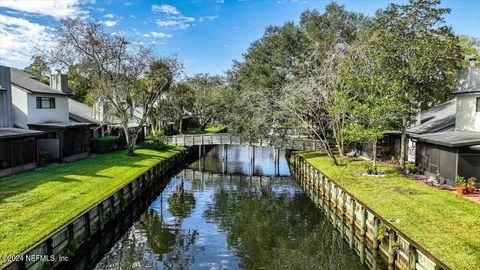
pixel 208 129
pixel 445 224
pixel 35 203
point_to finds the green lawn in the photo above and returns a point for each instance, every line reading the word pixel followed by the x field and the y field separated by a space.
pixel 35 203
pixel 208 129
pixel 442 222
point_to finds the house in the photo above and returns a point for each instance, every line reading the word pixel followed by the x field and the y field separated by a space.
pixel 37 106
pixel 18 147
pixel 82 113
pixel 99 113
pixel 447 139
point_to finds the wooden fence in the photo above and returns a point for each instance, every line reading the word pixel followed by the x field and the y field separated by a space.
pixel 382 235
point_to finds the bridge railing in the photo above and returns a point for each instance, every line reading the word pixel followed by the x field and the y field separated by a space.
pixel 226 138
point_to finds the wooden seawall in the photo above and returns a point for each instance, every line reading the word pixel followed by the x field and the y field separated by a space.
pixel 360 225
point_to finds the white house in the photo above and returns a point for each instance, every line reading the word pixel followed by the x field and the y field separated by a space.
pixel 18 147
pixel 37 106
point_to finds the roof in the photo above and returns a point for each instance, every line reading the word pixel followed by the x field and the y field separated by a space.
pixel 450 138
pixel 6 133
pixel 28 83
pixel 79 112
pixel 474 89
pixel 62 125
pixel 437 119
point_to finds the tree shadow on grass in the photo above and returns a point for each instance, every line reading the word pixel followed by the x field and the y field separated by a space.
pixel 75 173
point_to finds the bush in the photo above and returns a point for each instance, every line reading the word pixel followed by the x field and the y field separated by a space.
pixel 155 140
pixel 411 168
pixel 370 168
pixel 460 181
pixel 43 159
pixel 105 144
pixel 471 181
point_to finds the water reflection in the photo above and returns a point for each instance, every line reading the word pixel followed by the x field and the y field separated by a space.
pixel 206 219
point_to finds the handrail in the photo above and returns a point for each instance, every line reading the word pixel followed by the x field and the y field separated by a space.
pixel 229 139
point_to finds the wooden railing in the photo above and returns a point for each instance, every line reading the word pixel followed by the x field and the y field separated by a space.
pixel 226 138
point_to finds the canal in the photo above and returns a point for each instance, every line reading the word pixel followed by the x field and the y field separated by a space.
pixel 222 213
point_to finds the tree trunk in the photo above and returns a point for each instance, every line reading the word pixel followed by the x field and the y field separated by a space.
pixel 131 147
pixel 375 154
pixel 403 143
pixel 203 126
pixel 180 124
pixel 131 139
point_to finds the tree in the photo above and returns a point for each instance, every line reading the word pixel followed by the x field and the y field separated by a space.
pixel 180 99
pixel 79 84
pixel 418 56
pixel 257 82
pixel 470 47
pixel 39 69
pixel 304 101
pixel 127 79
pixel 205 95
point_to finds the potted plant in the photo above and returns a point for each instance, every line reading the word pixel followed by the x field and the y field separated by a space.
pixel 460 182
pixel 470 184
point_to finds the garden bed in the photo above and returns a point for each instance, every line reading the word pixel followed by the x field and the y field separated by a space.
pixel 445 224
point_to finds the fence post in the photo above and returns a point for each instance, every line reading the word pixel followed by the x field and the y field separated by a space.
pixel 375 233
pixel 412 257
pixel 391 248
pixel 363 221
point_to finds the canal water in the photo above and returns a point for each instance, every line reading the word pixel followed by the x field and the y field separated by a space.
pixel 223 213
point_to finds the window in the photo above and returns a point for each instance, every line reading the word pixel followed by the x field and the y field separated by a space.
pixel 45 103
pixel 478 104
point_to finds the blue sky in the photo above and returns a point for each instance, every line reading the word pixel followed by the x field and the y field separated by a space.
pixel 206 35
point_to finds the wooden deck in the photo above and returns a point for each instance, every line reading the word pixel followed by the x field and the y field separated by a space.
pixel 229 139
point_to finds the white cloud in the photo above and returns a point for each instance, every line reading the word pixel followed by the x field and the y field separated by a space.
pixel 220 1
pixel 184 18
pixel 54 8
pixel 100 9
pixel 167 9
pixel 109 15
pixel 160 35
pixel 173 18
pixel 207 18
pixel 109 23
pixel 173 23
pixel 19 38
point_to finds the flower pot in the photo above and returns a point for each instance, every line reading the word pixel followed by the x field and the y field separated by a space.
pixel 470 189
pixel 460 190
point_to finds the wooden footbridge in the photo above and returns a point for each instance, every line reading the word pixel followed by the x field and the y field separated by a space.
pixel 288 143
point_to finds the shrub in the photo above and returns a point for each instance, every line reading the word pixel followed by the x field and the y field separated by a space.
pixel 43 159
pixel 104 144
pixel 460 181
pixel 155 140
pixel 471 181
pixel 411 168
pixel 370 168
